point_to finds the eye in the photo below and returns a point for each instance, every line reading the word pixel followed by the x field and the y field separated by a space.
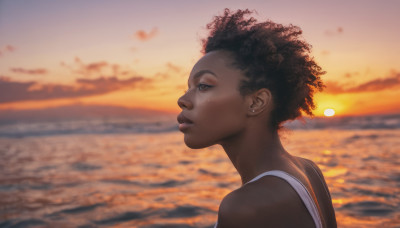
pixel 203 87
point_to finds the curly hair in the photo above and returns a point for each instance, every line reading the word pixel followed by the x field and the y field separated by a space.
pixel 271 56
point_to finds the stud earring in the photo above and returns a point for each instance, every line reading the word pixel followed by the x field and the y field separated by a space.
pixel 252 110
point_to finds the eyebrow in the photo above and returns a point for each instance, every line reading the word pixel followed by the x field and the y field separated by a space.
pixel 200 73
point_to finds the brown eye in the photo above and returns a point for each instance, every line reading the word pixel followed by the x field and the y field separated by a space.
pixel 203 87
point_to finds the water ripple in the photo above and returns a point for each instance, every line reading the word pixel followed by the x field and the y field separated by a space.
pixel 369 208
pixel 82 209
pixel 185 212
pixel 127 216
pixel 80 166
pixel 24 223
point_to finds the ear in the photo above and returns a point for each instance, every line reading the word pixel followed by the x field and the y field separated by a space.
pixel 260 101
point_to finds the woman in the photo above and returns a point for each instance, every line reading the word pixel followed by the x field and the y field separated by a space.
pixel 252 78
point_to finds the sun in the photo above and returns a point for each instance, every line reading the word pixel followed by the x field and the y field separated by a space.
pixel 329 112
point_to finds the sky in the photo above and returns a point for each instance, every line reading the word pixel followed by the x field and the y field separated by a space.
pixel 139 54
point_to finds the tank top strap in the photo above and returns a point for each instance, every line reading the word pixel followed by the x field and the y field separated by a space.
pixel 299 188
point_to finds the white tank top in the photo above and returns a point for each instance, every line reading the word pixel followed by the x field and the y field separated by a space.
pixel 299 188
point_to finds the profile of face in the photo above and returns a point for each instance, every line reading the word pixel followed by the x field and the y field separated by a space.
pixel 213 110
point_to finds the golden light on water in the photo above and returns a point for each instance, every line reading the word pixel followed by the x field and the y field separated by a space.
pixel 329 112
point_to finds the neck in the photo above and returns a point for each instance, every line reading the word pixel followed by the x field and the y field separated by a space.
pixel 253 152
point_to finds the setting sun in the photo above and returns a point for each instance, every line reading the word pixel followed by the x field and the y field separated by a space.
pixel 329 112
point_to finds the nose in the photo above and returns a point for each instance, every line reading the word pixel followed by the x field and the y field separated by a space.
pixel 184 102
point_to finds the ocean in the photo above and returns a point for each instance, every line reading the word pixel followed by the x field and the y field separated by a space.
pixel 125 173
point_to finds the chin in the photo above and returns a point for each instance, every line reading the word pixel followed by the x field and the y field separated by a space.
pixel 196 144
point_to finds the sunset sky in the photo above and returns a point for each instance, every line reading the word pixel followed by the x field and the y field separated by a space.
pixel 139 53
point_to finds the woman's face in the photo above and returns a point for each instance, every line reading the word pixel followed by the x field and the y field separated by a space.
pixel 213 110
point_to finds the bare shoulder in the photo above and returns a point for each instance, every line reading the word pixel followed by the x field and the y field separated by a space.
pixel 269 202
pixel 313 166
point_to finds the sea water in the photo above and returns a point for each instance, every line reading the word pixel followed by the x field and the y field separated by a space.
pixel 151 179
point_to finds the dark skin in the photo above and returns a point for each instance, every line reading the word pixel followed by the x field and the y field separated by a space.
pixel 219 114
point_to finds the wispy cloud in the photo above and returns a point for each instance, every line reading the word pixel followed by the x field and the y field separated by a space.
pixel 351 74
pixel 145 36
pixel 7 49
pixel 96 69
pixel 173 67
pixel 82 68
pixel 13 91
pixel 337 31
pixel 171 70
pixel 325 52
pixel 393 81
pixel 28 71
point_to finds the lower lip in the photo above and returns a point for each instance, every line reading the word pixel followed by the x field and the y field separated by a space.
pixel 184 126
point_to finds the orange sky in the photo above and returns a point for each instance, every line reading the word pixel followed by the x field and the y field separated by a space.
pixel 136 55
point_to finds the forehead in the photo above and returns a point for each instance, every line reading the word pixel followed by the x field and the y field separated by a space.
pixel 221 63
pixel 215 59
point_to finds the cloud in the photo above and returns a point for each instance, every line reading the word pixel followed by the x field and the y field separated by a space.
pixel 29 71
pixel 351 74
pixel 87 69
pixel 325 52
pixel 13 91
pixel 109 84
pixel 145 36
pixel 375 85
pixel 7 49
pixel 338 31
pixel 173 67
pixel 95 68
pixel 170 71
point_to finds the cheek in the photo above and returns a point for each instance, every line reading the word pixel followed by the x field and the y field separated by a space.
pixel 224 112
pixel 216 118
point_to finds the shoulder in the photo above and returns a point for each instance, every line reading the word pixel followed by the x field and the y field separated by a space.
pixel 266 202
pixel 312 165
